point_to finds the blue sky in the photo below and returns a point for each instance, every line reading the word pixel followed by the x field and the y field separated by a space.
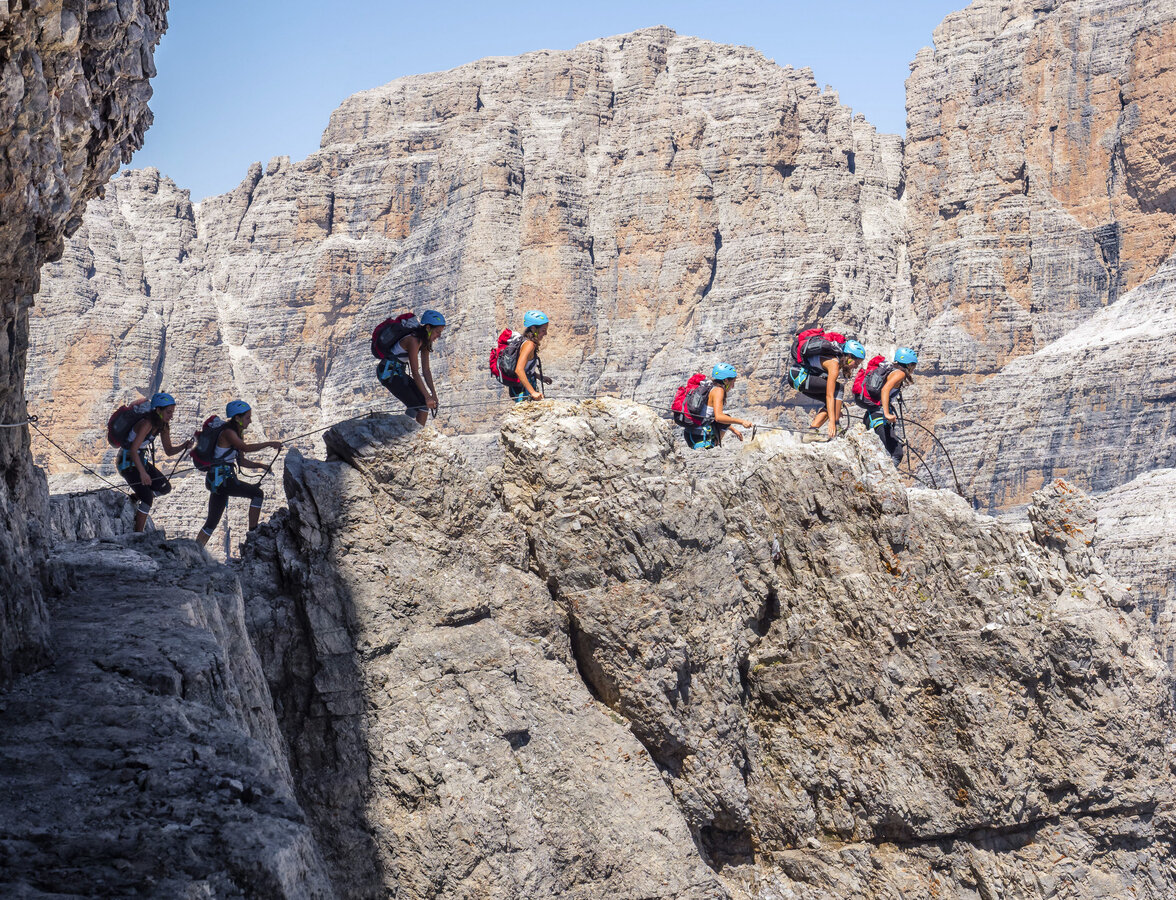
pixel 251 79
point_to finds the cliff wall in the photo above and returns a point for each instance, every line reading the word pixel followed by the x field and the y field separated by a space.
pixel 74 86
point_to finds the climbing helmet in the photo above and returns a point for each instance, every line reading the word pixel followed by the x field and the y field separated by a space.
pixel 237 408
pixel 722 372
pixel 905 356
pixel 534 317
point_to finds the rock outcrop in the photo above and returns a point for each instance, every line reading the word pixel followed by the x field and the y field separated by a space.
pixel 779 661
pixel 74 86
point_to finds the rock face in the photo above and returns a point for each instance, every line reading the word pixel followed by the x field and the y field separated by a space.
pixel 1038 178
pixel 779 662
pixel 147 761
pixel 73 106
pixel 665 199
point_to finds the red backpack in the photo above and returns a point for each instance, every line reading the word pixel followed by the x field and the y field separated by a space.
pixel 388 333
pixel 687 409
pixel 505 356
pixel 813 341
pixel 859 380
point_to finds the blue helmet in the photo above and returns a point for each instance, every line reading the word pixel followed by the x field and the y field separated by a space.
pixel 432 317
pixel 722 372
pixel 905 356
pixel 853 348
pixel 237 408
pixel 161 399
pixel 534 317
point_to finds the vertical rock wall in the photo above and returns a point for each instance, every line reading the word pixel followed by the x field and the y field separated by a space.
pixel 1039 180
pixel 74 86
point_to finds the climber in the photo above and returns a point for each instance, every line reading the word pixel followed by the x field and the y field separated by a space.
pixel 146 420
pixel 404 368
pixel 228 453
pixel 882 385
pixel 528 369
pixel 819 364
pixel 713 420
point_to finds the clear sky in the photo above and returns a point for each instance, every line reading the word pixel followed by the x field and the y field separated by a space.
pixel 251 79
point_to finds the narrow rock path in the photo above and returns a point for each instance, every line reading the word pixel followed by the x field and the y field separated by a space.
pixel 144 761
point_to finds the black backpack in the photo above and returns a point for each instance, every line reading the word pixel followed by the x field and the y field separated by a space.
pixel 203 453
pixel 388 333
pixel 119 425
pixel 875 381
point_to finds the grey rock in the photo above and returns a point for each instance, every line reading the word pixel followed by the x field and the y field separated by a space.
pixel 909 698
pixel 146 761
pixel 73 107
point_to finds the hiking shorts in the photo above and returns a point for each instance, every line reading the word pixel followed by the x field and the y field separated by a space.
pixel 144 493
pixel 518 393
pixel 705 437
pixel 813 386
pixel 391 373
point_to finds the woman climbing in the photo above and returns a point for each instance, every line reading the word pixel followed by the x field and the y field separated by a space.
pixel 529 368
pixel 714 419
pixel 824 365
pixel 881 386
pixel 405 368
pixel 138 442
pixel 228 454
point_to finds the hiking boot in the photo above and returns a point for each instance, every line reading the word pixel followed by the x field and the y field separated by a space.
pixel 816 436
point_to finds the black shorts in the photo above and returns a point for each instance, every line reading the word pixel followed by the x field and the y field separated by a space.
pixel 404 389
pixel 813 386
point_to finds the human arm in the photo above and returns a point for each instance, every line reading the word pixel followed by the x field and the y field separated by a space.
pixel 526 351
pixel 428 374
pixel 168 447
pixel 893 380
pixel 412 345
pixel 232 439
pixel 715 401
pixel 832 369
pixel 142 430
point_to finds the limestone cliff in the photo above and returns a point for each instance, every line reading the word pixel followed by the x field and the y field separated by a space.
pixel 1041 189
pixel 663 198
pixel 74 86
pixel 611 667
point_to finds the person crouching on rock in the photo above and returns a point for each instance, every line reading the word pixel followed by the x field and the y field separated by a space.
pixel 406 372
pixel 820 378
pixel 145 480
pixel 715 420
pixel 529 368
pixel 222 482
pixel 880 388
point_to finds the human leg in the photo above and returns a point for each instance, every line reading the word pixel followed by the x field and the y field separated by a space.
pixel 216 508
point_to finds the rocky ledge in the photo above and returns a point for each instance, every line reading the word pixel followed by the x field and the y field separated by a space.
pixel 612 667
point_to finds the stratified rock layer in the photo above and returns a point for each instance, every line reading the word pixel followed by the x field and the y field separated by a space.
pixel 1039 184
pixel 73 106
pixel 847 689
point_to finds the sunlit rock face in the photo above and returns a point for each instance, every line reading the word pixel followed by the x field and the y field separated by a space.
pixel 1040 184
pixel 74 86
pixel 666 200
pixel 764 671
